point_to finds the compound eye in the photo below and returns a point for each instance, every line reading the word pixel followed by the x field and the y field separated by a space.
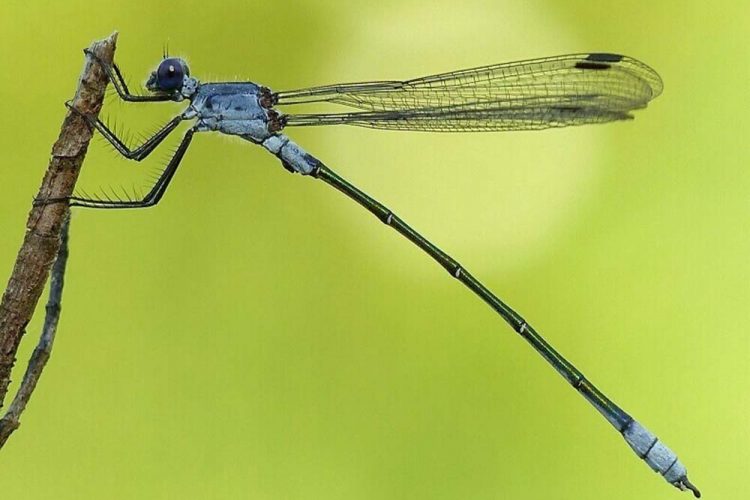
pixel 170 73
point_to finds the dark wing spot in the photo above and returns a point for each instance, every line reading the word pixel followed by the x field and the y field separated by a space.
pixel 592 65
pixel 604 57
pixel 568 109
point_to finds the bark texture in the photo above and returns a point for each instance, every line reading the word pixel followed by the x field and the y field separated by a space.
pixel 43 228
pixel 12 418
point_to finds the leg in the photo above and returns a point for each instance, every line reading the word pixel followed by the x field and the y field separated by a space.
pixel 115 76
pixel 151 198
pixel 141 151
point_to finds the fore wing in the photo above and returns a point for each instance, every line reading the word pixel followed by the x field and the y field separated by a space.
pixel 527 95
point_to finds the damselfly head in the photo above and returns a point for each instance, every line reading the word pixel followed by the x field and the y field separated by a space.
pixel 169 76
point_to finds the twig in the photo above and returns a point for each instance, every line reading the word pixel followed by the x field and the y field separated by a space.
pixel 44 225
pixel 12 418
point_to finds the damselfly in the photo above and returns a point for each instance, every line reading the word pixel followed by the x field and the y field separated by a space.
pixel 528 95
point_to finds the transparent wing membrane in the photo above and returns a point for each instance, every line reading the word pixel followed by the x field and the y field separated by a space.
pixel 527 95
pixel 469 118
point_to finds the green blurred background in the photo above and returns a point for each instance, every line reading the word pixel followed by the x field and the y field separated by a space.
pixel 257 335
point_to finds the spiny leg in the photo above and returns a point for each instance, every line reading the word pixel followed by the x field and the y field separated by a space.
pixel 151 198
pixel 118 82
pixel 141 151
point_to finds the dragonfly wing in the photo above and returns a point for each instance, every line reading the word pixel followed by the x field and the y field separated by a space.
pixel 626 82
pixel 535 114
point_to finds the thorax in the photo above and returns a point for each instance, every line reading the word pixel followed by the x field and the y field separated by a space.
pixel 242 109
pixel 229 101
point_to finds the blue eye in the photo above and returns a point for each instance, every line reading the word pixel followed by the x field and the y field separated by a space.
pixel 170 74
